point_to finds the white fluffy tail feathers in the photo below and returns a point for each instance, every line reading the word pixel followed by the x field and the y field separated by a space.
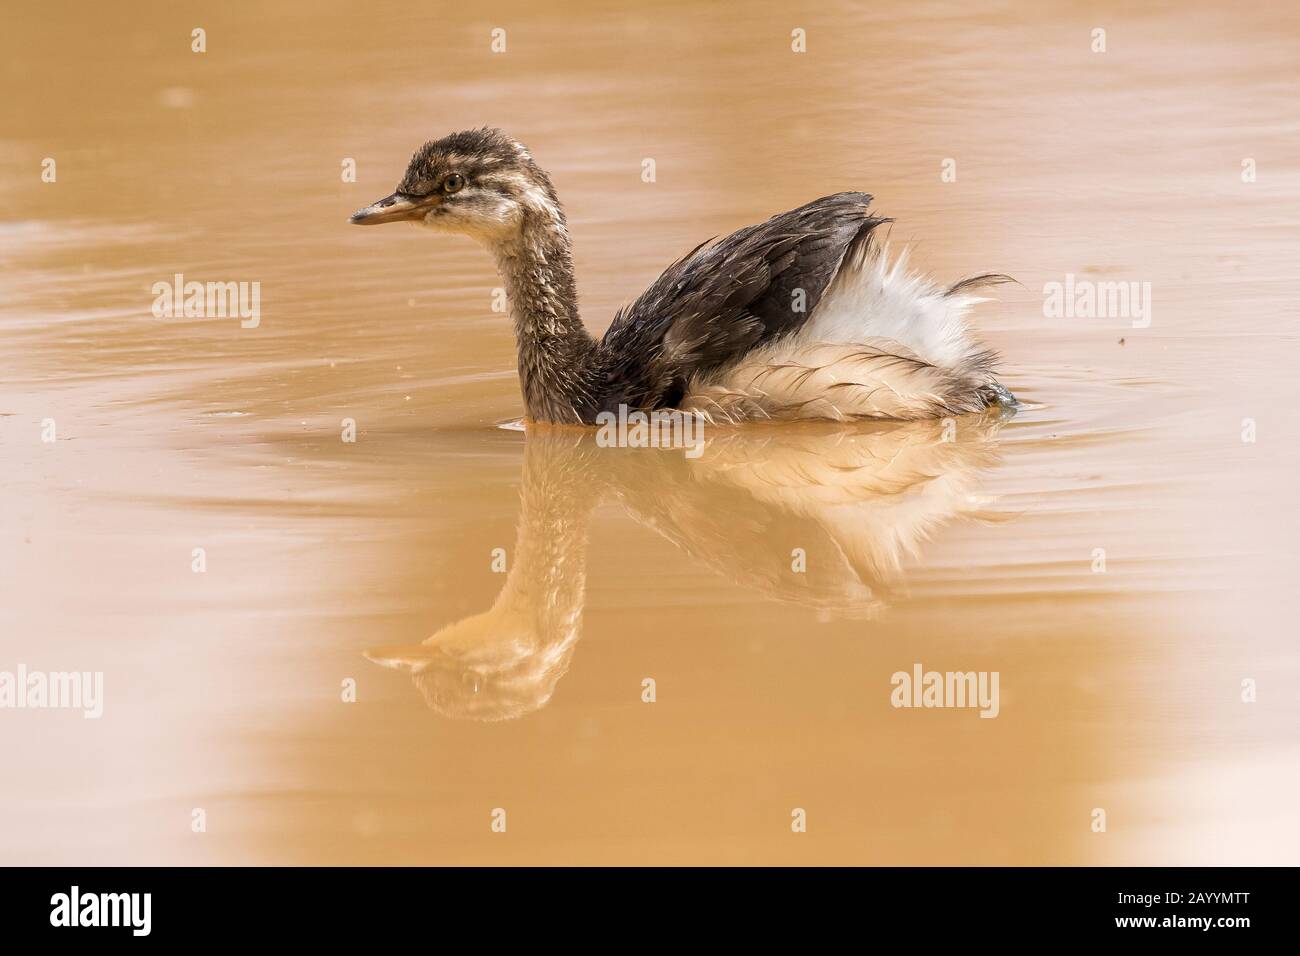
pixel 884 342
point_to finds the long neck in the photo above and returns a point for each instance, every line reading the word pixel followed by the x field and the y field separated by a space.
pixel 556 353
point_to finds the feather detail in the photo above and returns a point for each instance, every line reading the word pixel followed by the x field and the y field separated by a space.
pixel 875 296
pixel 728 297
pixel 839 381
pixel 883 343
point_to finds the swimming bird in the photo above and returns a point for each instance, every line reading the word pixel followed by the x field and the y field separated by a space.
pixel 803 316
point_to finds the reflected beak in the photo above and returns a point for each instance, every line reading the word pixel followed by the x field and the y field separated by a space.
pixel 411 656
pixel 394 208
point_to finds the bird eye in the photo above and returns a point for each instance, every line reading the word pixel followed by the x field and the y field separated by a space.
pixel 453 183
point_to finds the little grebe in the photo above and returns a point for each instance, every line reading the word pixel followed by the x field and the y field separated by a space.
pixel 799 317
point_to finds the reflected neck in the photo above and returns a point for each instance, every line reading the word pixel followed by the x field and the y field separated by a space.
pixel 547 577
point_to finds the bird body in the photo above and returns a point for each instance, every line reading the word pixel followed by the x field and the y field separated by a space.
pixel 802 316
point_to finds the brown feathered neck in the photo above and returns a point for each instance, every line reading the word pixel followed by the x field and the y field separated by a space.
pixel 557 356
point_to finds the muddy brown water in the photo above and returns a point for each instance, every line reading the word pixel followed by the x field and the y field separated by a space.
pixel 1121 551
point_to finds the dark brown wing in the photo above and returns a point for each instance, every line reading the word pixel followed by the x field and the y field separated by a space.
pixel 727 297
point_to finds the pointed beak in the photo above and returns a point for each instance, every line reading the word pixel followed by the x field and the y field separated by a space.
pixel 394 208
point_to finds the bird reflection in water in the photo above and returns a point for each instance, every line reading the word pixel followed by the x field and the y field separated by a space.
pixel 858 499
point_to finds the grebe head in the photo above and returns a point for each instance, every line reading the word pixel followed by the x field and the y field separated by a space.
pixel 480 182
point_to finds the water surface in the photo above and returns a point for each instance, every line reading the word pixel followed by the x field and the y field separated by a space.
pixel 476 688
